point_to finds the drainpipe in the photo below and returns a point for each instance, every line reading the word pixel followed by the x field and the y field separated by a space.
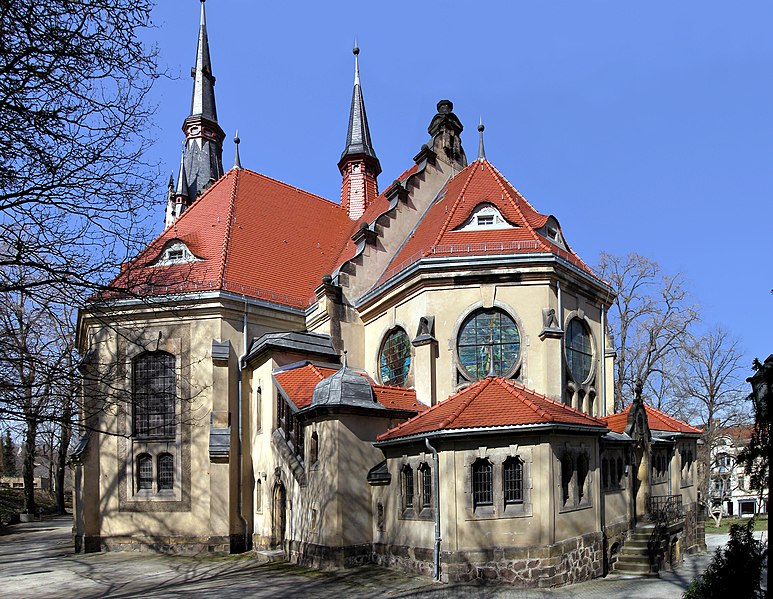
pixel 240 457
pixel 436 483
pixel 603 355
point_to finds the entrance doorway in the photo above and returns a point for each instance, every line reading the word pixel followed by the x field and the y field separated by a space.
pixel 278 515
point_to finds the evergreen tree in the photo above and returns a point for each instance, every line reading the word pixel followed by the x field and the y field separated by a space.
pixel 9 456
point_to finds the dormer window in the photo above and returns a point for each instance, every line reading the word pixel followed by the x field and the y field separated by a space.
pixel 175 253
pixel 485 216
pixel 553 232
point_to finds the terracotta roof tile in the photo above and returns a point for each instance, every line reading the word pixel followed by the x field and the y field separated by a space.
pixel 658 421
pixel 491 402
pixel 478 183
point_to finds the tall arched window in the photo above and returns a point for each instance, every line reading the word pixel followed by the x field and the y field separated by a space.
pixel 567 472
pixel 582 476
pixel 314 449
pixel 426 485
pixel 512 471
pixel 144 472
pixel 155 391
pixel 394 359
pixel 482 483
pixel 407 476
pixel 488 341
pixel 579 350
pixel 165 472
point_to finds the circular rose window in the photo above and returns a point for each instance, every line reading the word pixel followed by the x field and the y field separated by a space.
pixel 488 342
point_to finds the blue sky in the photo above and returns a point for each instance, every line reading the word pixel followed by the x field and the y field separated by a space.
pixel 644 128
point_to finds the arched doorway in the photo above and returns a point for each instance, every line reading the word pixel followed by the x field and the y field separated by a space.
pixel 278 515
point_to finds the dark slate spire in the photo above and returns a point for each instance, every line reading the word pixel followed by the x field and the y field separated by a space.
pixel 203 135
pixel 358 136
pixel 481 149
pixel 203 102
pixel 179 198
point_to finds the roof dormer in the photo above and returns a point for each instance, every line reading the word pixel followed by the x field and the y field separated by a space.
pixel 175 252
pixel 485 216
pixel 552 231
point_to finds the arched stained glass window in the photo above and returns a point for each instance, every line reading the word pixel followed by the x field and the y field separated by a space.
pixel 394 361
pixel 482 483
pixel 165 472
pixel 144 472
pixel 579 350
pixel 155 390
pixel 486 335
pixel 513 481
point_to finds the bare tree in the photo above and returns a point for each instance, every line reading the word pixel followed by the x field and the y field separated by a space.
pixel 74 189
pixel 649 320
pixel 710 393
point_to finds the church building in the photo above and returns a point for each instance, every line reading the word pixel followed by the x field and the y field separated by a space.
pixel 415 375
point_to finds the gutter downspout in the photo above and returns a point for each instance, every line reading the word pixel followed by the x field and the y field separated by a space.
pixel 603 355
pixel 436 483
pixel 240 457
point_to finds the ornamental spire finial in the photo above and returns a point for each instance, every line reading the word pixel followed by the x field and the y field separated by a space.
pixel 237 141
pixel 481 149
pixel 356 52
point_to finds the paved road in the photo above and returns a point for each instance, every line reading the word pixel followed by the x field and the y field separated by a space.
pixel 36 560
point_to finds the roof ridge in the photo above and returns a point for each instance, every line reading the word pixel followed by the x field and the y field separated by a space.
pixel 511 388
pixel 429 410
pixel 298 189
pixel 498 177
pixel 515 385
pixel 459 199
pixel 465 404
pixel 227 238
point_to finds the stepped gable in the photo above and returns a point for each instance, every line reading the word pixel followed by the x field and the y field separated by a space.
pixel 491 403
pixel 250 235
pixel 658 421
pixel 298 383
pixel 479 183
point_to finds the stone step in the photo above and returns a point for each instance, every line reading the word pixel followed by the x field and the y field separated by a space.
pixel 631 568
pixel 634 551
pixel 633 559
pixel 266 556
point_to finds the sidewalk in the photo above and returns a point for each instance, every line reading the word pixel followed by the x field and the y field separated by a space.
pixel 36 559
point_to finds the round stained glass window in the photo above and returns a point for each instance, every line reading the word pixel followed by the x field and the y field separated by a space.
pixel 394 362
pixel 579 350
pixel 488 335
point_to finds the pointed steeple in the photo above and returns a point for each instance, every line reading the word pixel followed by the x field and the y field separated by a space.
pixel 359 164
pixel 179 199
pixel 203 135
pixel 481 149
pixel 203 101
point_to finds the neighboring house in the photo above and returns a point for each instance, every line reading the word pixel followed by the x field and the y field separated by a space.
pixel 418 378
pixel 729 485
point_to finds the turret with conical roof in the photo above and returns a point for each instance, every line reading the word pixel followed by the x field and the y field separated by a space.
pixel 359 164
pixel 203 135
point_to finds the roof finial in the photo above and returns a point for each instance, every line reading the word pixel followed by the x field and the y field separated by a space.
pixel 345 365
pixel 491 371
pixel 182 179
pixel 356 52
pixel 237 160
pixel 481 150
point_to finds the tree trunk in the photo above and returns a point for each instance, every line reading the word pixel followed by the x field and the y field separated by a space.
pixel 28 469
pixel 61 463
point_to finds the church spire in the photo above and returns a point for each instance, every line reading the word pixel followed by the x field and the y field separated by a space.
pixel 203 135
pixel 179 198
pixel 359 164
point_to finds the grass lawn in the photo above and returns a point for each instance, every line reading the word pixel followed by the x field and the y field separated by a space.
pixel 760 523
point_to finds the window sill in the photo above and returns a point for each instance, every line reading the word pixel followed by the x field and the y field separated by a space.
pixel 575 508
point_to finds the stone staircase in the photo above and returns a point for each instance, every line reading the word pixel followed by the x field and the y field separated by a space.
pixel 634 558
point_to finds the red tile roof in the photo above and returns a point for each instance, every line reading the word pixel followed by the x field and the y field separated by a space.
pixel 658 421
pixel 479 182
pixel 490 403
pixel 252 235
pixel 298 384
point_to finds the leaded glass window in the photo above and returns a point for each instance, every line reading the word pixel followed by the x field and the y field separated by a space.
pixel 488 335
pixel 144 472
pixel 154 395
pixel 582 475
pixel 579 350
pixel 482 484
pixel 395 358
pixel 165 472
pixel 426 485
pixel 407 487
pixel 513 481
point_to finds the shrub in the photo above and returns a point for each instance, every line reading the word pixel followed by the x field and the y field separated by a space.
pixel 734 571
